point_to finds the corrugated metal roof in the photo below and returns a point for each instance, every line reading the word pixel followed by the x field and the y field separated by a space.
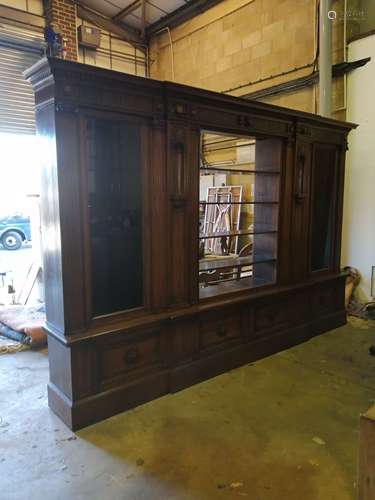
pixel 155 10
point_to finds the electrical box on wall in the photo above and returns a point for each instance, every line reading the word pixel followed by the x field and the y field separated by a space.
pixel 88 37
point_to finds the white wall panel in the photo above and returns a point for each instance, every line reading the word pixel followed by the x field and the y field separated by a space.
pixel 358 248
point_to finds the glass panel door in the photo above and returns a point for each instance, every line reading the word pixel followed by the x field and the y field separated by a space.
pixel 238 212
pixel 323 207
pixel 115 215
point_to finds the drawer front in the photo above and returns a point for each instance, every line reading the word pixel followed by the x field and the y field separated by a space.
pixel 133 353
pixel 270 317
pixel 324 300
pixel 219 329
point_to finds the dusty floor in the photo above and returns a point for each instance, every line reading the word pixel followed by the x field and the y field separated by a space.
pixel 283 428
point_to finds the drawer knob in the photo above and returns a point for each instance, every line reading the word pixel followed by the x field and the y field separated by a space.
pixel 131 356
pixel 222 331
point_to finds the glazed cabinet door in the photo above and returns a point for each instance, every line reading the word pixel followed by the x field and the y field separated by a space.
pixel 115 208
pixel 317 204
pixel 326 198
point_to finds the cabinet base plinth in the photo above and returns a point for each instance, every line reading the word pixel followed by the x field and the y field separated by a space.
pixel 112 399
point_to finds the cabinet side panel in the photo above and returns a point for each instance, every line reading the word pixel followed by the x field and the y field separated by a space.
pixel 60 366
pixel 68 161
pixel 50 218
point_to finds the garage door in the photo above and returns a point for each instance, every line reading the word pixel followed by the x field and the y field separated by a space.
pixel 19 49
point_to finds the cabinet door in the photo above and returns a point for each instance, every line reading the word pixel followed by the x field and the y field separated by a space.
pixel 113 178
pixel 316 214
pixel 324 200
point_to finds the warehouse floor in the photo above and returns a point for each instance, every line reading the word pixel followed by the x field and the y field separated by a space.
pixel 283 428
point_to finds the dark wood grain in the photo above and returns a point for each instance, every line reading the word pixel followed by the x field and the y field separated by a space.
pixel 100 366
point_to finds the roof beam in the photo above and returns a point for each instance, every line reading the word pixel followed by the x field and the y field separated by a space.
pixel 127 33
pixel 180 15
pixel 143 30
pixel 127 10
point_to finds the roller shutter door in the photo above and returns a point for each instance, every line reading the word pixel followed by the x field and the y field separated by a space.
pixel 19 49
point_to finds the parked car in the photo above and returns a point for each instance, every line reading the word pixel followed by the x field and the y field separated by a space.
pixel 14 230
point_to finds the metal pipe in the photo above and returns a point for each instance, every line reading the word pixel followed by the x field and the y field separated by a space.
pixel 345 58
pixel 325 58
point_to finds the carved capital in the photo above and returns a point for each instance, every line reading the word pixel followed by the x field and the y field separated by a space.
pixel 304 130
pixel 158 122
pixel 66 107
pixel 291 130
pixel 244 121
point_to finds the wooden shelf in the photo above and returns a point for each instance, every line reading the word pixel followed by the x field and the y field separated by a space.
pixel 238 202
pixel 223 263
pixel 207 149
pixel 232 286
pixel 240 171
pixel 241 232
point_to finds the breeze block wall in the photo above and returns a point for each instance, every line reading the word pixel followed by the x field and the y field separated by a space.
pixel 61 15
pixel 242 46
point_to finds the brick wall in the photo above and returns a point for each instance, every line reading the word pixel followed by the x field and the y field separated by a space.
pixel 61 15
pixel 247 45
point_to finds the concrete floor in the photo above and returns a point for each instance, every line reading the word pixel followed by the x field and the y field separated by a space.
pixel 283 428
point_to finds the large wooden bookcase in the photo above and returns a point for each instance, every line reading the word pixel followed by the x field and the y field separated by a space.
pixel 140 300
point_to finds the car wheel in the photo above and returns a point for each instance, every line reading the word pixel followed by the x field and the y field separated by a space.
pixel 11 240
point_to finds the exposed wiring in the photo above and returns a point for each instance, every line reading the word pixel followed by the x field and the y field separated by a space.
pixel 171 48
pixel 209 23
pixel 271 77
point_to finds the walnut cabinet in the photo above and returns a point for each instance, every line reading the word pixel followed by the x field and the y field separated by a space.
pixel 185 233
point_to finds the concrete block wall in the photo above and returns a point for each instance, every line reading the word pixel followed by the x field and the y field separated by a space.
pixel 113 53
pixel 241 46
pixel 31 6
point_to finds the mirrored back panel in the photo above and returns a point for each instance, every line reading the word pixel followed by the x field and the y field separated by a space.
pixel 238 212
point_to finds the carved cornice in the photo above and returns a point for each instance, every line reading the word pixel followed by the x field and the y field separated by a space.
pixel 39 75
pixel 98 88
